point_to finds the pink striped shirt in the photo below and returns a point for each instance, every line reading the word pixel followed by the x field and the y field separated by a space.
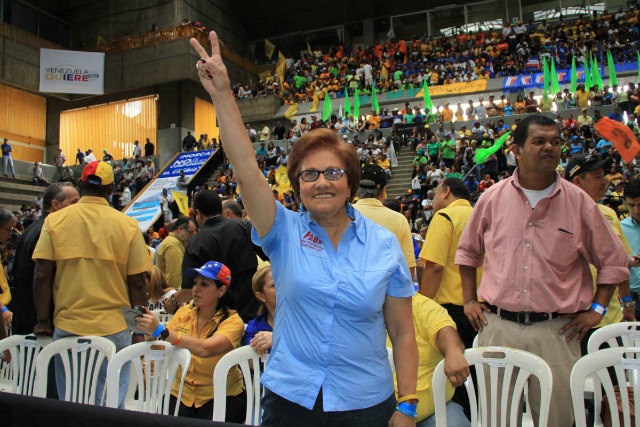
pixel 538 259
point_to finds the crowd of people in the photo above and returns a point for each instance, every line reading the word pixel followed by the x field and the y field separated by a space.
pixel 404 63
pixel 316 307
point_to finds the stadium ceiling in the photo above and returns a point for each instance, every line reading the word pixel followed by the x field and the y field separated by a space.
pixel 267 18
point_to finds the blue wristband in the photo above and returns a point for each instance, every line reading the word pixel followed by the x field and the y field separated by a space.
pixel 598 308
pixel 628 298
pixel 158 331
pixel 408 409
pixel 4 309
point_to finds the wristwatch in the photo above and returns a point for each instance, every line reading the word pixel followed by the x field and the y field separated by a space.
pixel 164 334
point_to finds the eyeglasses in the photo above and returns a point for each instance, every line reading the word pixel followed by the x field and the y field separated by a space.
pixel 9 230
pixel 331 174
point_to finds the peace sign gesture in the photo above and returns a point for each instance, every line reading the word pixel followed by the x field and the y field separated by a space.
pixel 211 70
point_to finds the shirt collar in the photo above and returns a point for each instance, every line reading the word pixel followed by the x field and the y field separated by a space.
pixel 559 183
pixel 214 220
pixel 357 221
pixel 94 199
pixel 459 202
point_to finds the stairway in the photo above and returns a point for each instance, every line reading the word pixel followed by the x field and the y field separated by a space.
pixel 16 192
pixel 400 180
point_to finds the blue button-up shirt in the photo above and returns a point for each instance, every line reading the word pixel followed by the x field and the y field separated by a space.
pixel 329 329
pixel 631 230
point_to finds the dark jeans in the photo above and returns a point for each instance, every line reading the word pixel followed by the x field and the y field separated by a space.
pixel 236 409
pixel 280 412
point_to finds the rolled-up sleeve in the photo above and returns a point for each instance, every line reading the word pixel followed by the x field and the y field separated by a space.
pixel 605 250
pixel 471 245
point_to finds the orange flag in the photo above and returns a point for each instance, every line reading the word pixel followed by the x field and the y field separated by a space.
pixel 620 136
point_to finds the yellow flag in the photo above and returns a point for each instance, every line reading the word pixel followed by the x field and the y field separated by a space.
pixel 182 200
pixel 291 111
pixel 280 68
pixel 265 75
pixel 384 73
pixel 269 48
pixel 310 51
pixel 316 101
pixel 283 185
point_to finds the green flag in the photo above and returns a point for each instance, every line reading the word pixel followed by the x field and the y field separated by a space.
pixel 482 154
pixel 356 104
pixel 347 105
pixel 598 75
pixel 594 73
pixel 428 104
pixel 555 85
pixel 587 75
pixel 327 109
pixel 374 99
pixel 546 82
pixel 613 79
pixel 574 76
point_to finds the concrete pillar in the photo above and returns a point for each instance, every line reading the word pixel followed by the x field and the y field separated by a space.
pixel 368 36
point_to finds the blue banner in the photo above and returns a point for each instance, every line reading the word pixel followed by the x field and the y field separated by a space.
pixel 530 81
pixel 189 162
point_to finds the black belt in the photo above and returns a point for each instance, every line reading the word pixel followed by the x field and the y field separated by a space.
pixel 524 317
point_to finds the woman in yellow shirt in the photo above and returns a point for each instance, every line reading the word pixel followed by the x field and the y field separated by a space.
pixel 209 330
pixel 582 97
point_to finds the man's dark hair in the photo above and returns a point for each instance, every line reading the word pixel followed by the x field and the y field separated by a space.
pixel 147 239
pixel 392 204
pixel 233 206
pixel 457 188
pixel 53 192
pixel 520 134
pixel 182 222
pixel 208 203
pixel 632 189
pixel 96 190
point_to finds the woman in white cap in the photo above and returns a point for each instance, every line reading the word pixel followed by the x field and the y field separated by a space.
pixel 209 330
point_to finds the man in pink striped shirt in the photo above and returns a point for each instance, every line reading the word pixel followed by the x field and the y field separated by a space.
pixel 534 235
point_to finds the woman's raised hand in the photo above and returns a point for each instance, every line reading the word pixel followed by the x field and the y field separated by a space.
pixel 211 69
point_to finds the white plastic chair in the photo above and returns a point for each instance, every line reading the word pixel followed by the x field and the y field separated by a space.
pixel 249 363
pixel 163 316
pixel 527 364
pixel 153 380
pixel 624 360
pixel 82 358
pixel 18 376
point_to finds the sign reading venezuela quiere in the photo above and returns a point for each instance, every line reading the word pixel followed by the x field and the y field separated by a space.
pixel 67 71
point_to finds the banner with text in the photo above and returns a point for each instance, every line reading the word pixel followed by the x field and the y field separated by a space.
pixel 67 71
pixel 146 207
pixel 455 88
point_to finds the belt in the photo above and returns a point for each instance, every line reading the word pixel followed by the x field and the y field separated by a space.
pixel 523 317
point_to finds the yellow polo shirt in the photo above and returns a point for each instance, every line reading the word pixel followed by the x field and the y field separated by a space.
pixel 391 220
pixel 169 259
pixel 198 384
pixel 428 319
pixel 95 248
pixel 5 296
pixel 614 310
pixel 440 245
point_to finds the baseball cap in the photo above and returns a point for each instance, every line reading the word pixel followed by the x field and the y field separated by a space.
pixel 373 177
pixel 97 173
pixel 582 163
pixel 213 270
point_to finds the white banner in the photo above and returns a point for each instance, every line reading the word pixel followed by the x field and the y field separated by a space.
pixel 68 71
pixel 146 208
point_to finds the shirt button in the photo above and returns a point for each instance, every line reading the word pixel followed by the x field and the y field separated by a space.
pixel 524 291
pixel 526 267
pixel 528 245
pixel 530 224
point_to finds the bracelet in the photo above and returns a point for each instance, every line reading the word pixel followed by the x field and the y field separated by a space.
pixel 407 409
pixel 157 332
pixel 599 308
pixel 177 341
pixel 626 298
pixel 628 304
pixel 408 397
pixel 4 308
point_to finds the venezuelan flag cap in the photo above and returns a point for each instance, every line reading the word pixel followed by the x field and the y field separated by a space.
pixel 213 270
pixel 97 173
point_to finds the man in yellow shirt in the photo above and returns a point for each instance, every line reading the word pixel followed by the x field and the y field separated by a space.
pixel 170 252
pixel 437 339
pixel 92 259
pixel 7 224
pixel 373 190
pixel 447 113
pixel 586 172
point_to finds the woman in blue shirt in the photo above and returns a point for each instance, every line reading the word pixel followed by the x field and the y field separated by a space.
pixel 342 281
pixel 259 331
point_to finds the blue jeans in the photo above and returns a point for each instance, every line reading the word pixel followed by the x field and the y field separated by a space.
pixel 7 163
pixel 121 340
pixel 455 417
